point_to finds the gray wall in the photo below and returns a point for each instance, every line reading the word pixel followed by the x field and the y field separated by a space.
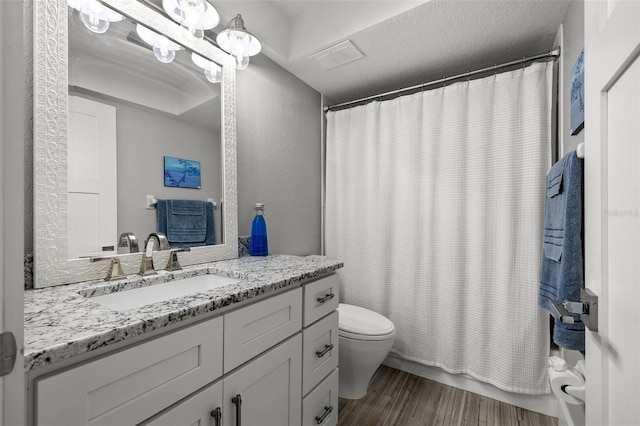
pixel 572 36
pixel 144 138
pixel 279 156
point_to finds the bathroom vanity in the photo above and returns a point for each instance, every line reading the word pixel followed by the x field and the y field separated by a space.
pixel 259 350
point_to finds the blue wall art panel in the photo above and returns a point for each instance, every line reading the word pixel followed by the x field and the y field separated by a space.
pixel 181 173
pixel 577 95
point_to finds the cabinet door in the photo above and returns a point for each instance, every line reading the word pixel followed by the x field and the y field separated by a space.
pixel 253 329
pixel 269 387
pixel 132 385
pixel 320 298
pixel 320 351
pixel 320 407
pixel 195 410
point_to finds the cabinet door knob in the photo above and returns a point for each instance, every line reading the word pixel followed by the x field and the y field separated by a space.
pixel 217 416
pixel 323 352
pixel 325 298
pixel 327 410
pixel 237 401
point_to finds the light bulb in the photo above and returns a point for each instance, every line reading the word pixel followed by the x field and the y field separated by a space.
pixel 192 12
pixel 95 17
pixel 213 73
pixel 194 28
pixel 242 62
pixel 162 50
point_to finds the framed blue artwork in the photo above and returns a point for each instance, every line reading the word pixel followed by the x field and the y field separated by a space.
pixel 577 95
pixel 181 173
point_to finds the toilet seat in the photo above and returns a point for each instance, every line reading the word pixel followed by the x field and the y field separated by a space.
pixel 363 324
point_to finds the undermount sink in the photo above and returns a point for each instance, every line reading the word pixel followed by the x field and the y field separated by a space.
pixel 134 298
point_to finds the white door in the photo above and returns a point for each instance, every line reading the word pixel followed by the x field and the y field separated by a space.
pixel 92 178
pixel 612 203
pixel 269 389
pixel 13 134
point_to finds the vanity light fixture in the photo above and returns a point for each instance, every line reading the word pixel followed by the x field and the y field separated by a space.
pixel 195 16
pixel 236 40
pixel 212 71
pixel 94 15
pixel 163 48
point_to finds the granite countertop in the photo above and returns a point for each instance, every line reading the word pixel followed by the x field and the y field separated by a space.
pixel 62 322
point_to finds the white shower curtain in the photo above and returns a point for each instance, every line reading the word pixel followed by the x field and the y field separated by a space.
pixel 435 201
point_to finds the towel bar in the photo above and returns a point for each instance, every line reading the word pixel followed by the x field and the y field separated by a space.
pixel 587 308
pixel 152 201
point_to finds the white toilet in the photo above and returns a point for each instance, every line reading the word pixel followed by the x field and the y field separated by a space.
pixel 366 338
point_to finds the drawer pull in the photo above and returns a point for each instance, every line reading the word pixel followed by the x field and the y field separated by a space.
pixel 323 352
pixel 325 298
pixel 217 416
pixel 237 400
pixel 327 410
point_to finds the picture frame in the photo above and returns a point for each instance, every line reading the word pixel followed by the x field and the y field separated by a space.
pixel 181 173
pixel 577 95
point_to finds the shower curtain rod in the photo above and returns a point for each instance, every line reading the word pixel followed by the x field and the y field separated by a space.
pixel 554 53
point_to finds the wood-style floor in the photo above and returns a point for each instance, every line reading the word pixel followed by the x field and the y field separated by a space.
pixel 399 398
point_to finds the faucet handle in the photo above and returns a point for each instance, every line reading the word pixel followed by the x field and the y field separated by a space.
pixel 115 270
pixel 172 263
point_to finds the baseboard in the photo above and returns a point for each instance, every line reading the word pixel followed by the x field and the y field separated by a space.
pixel 544 404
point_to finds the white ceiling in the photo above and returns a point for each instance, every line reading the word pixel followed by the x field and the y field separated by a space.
pixel 404 42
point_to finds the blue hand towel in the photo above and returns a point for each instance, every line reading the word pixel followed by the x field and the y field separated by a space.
pixel 562 271
pixel 186 223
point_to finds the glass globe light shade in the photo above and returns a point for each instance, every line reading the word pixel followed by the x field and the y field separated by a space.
pixel 194 16
pixel 242 62
pixel 213 73
pixel 162 49
pixel 95 17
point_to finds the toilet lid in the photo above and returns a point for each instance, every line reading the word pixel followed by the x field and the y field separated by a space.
pixel 363 322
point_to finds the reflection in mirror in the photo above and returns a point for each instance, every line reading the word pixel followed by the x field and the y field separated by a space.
pixel 131 105
pixel 137 160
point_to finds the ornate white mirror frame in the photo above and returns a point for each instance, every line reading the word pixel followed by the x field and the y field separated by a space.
pixel 50 74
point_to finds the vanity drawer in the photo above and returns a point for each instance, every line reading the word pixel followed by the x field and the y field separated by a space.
pixel 320 351
pixel 320 298
pixel 322 404
pixel 252 330
pixel 134 384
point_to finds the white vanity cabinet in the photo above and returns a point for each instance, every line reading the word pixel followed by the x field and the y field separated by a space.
pixel 251 362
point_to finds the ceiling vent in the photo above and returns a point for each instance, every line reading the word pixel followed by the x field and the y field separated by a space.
pixel 339 54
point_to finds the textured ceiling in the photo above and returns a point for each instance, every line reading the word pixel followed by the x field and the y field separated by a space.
pixel 404 42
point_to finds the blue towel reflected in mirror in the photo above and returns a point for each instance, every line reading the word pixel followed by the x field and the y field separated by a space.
pixel 186 223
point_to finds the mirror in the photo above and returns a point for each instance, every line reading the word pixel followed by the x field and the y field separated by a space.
pixel 163 111
pixel 80 70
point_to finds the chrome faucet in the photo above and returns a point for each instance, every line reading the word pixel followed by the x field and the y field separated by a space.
pixel 129 241
pixel 146 266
